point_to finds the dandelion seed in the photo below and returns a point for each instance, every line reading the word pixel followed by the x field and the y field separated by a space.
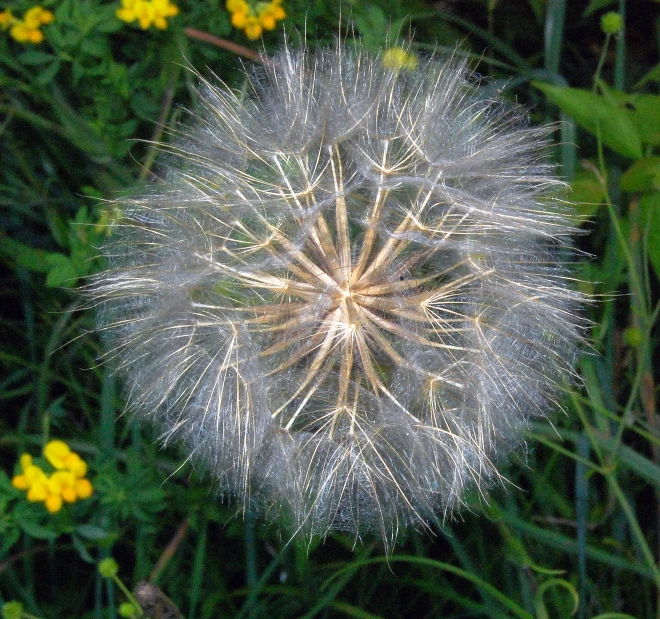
pixel 349 293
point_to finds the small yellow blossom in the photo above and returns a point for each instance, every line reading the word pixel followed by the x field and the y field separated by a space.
pixel 6 19
pixel 76 465
pixel 396 58
pixel 84 488
pixel 53 503
pixel 59 454
pixel 255 17
pixel 31 475
pixel 147 12
pixel 66 484
pixel 28 29
pixel 37 16
pixel 38 489
pixel 252 29
pixel 56 452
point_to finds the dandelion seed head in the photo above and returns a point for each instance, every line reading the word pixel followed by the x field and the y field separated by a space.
pixel 350 291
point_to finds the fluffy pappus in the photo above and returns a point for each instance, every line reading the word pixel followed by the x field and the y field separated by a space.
pixel 349 292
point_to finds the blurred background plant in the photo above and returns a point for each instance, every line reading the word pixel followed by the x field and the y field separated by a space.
pixel 86 88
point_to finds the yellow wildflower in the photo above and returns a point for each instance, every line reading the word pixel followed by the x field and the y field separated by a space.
pixel 270 13
pixel 66 484
pixel 6 19
pixel 27 30
pixel 37 16
pixel 63 483
pixel 23 34
pixel 76 465
pixel 396 58
pixel 252 29
pixel 56 453
pixel 53 503
pixel 84 488
pixel 37 480
pixel 59 454
pixel 234 6
pixel 239 20
pixel 127 11
pixel 163 9
pixel 253 18
pixel 147 12
pixel 32 477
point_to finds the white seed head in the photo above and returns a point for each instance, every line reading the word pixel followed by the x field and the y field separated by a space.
pixel 349 293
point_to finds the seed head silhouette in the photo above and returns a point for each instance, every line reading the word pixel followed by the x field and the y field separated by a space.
pixel 349 292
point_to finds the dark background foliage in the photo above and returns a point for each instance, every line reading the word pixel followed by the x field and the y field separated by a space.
pixel 575 532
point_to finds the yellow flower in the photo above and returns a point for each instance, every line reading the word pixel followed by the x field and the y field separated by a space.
pixel 127 11
pixel 66 484
pixel 164 8
pixel 56 452
pixel 147 12
pixel 27 30
pixel 239 20
pixel 270 13
pixel 254 18
pixel 23 34
pixel 63 483
pixel 84 488
pixel 252 29
pixel 37 16
pixel 47 17
pixel 6 19
pixel 53 503
pixel 76 465
pixel 31 474
pixel 33 479
pixel 396 58
pixel 38 490
pixel 237 6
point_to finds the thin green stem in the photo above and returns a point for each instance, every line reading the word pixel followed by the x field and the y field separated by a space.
pixel 635 528
pixel 129 596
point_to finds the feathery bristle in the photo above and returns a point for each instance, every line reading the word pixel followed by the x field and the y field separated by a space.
pixel 349 293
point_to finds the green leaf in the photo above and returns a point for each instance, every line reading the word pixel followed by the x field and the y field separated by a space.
pixel 643 111
pixel 89 531
pixel 587 195
pixel 539 603
pixel 46 76
pixel 642 176
pixel 36 530
pixel 597 5
pixel 372 24
pixel 649 205
pixel 5 484
pixel 35 57
pixel 652 76
pixel 599 115
pixel 61 271
pixel 9 537
pixel 23 255
pixel 96 47
pixel 82 551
